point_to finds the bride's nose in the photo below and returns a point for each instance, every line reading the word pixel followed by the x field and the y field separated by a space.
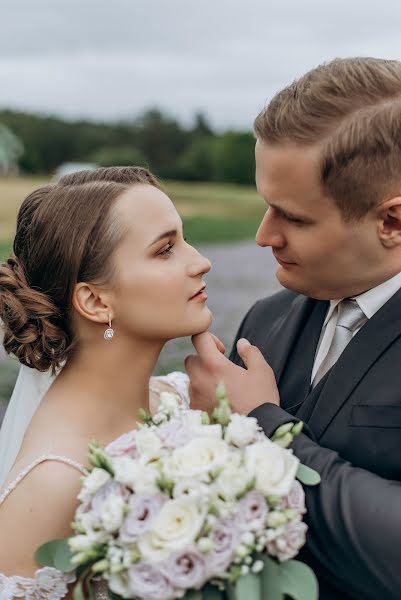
pixel 199 265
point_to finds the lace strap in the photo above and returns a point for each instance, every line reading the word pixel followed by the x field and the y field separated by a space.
pixel 68 461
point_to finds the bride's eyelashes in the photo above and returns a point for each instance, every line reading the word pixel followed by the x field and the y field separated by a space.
pixel 169 250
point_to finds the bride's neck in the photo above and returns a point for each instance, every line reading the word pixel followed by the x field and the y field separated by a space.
pixel 105 386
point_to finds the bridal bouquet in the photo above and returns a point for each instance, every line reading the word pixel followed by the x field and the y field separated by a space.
pixel 187 505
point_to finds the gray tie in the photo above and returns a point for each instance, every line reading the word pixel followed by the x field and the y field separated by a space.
pixel 350 317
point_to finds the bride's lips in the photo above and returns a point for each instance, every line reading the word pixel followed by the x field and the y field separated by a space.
pixel 200 295
pixel 283 263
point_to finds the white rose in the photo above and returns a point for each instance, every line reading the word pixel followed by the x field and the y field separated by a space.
pixel 193 487
pixel 177 525
pixel 112 513
pixel 196 459
pixel 241 430
pixel 92 483
pixel 274 467
pixel 234 459
pixel 148 444
pixel 138 476
pixel 232 482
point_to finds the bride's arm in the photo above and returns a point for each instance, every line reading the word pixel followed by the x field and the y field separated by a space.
pixel 40 508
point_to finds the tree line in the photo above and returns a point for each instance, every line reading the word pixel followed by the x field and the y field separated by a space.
pixel 153 139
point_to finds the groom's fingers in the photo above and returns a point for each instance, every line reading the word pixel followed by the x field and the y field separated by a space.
pixel 207 349
pixel 191 362
pixel 219 344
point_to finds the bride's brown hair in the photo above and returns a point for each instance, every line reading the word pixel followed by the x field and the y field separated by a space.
pixel 66 233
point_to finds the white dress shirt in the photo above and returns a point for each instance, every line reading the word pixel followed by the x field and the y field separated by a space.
pixel 369 302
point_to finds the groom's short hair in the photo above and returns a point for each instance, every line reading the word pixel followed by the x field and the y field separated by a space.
pixel 351 107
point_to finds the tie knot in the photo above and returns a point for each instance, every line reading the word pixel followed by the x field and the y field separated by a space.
pixel 350 315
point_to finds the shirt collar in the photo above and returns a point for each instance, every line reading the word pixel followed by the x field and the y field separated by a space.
pixel 371 300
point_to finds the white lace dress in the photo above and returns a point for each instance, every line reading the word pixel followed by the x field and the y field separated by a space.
pixel 49 583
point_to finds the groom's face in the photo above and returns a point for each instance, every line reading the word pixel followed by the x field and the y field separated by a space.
pixel 318 254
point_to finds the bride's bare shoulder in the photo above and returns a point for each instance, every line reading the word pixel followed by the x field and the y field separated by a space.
pixel 40 507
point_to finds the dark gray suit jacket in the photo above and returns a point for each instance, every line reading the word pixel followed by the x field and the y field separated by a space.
pixel 352 437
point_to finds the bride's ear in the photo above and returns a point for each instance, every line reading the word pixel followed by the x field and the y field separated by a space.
pixel 91 303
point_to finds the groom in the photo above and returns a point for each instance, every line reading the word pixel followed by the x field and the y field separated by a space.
pixel 328 165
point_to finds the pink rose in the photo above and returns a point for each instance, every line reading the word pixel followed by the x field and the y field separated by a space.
pixel 252 511
pixel 145 581
pixel 295 498
pixel 143 510
pixel 226 538
pixel 289 542
pixel 186 569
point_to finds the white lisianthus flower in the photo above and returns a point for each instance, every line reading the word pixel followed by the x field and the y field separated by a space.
pixel 274 467
pixel 140 477
pixel 196 459
pixel 234 459
pixel 92 483
pixel 148 444
pixel 213 431
pixel 176 526
pixel 112 513
pixel 80 543
pixel 192 419
pixel 241 430
pixel 169 403
pixel 232 482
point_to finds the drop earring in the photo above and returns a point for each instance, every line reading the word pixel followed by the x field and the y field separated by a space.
pixel 109 333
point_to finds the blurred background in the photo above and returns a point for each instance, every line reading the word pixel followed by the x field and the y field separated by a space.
pixel 174 85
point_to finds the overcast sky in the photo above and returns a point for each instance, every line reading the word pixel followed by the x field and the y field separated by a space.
pixel 112 59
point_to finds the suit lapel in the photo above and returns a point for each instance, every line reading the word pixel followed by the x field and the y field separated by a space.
pixel 358 357
pixel 280 339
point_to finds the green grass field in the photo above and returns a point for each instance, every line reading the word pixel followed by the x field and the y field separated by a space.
pixel 212 213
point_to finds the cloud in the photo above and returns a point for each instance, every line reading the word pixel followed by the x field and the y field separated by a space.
pixel 106 60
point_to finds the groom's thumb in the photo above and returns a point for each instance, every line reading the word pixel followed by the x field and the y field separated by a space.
pixel 251 355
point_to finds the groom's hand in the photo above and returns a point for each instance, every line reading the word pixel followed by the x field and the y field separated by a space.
pixel 246 388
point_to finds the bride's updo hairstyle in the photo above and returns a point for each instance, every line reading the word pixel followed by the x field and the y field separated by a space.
pixel 66 233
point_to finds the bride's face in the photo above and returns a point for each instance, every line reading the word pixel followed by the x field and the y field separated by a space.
pixel 157 273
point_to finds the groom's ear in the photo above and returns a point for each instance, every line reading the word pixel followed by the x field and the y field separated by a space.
pixel 91 303
pixel 389 213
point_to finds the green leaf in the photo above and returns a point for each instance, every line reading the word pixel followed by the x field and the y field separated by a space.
pixel 114 596
pixel 78 593
pixel 298 581
pixel 55 553
pixel 307 476
pixel 270 579
pixel 208 592
pixel 248 586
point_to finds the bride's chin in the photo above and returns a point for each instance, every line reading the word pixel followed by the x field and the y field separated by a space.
pixel 202 323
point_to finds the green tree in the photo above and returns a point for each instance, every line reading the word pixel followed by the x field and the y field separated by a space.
pixel 119 156
pixel 234 158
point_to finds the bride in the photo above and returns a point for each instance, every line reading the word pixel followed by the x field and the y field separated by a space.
pixel 100 279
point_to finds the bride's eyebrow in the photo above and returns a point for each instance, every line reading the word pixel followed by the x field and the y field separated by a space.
pixel 166 234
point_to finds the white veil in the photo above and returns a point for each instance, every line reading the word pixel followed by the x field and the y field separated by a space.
pixel 28 392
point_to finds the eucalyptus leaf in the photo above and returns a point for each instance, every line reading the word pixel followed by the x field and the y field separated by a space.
pixel 298 581
pixel 307 476
pixel 211 592
pixel 270 579
pixel 248 587
pixel 56 554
